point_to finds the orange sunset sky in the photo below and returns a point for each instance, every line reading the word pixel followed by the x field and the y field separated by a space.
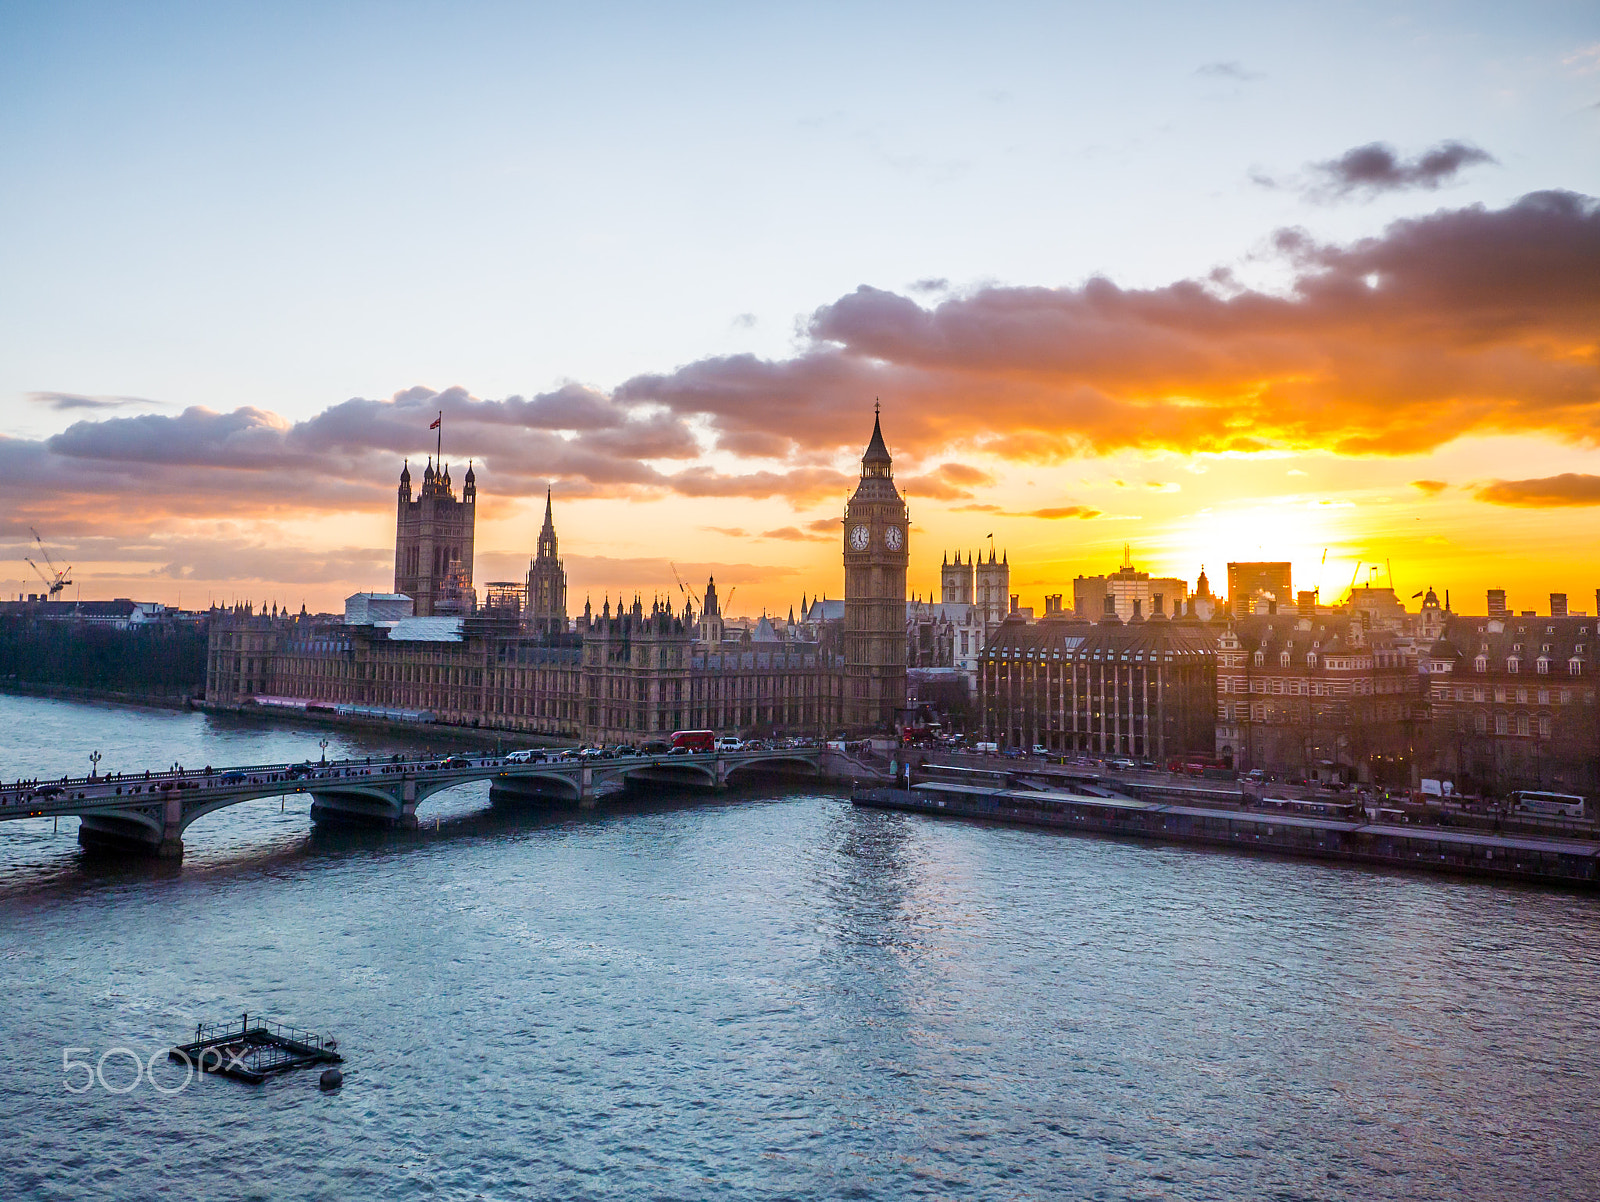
pixel 1269 285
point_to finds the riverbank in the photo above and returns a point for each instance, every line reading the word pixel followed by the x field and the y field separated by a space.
pixel 474 736
pixel 1571 863
pixel 58 692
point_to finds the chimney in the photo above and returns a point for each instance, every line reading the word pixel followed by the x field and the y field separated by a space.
pixel 1111 606
pixel 1155 604
pixel 1015 597
pixel 1558 605
pixel 1138 606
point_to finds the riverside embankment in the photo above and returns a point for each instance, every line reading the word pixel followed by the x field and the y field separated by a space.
pixel 1562 861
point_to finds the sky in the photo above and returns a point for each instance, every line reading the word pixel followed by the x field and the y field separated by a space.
pixel 1237 281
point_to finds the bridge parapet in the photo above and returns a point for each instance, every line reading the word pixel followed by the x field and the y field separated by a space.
pixel 151 811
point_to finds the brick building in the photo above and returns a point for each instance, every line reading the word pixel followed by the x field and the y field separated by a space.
pixel 1321 696
pixel 1513 703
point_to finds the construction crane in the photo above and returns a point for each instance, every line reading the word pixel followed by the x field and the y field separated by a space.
pixel 58 578
pixel 682 587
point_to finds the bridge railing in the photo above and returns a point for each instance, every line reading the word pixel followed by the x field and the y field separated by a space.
pixel 118 787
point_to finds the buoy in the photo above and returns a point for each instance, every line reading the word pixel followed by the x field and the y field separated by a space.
pixel 332 1078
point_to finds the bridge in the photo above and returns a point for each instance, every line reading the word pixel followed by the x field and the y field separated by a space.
pixel 150 811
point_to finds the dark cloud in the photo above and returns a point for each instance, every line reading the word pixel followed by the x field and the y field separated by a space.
pixel 1548 492
pixel 1231 69
pixel 65 401
pixel 932 283
pixel 824 525
pixel 1431 487
pixel 1378 167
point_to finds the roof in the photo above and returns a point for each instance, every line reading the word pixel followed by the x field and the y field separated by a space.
pixel 379 597
pixel 427 630
pixel 825 611
pixel 877 452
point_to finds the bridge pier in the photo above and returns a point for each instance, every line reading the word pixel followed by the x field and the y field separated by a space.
pixel 114 832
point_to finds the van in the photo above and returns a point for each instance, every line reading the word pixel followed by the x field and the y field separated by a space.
pixel 986 748
pixel 525 757
pixel 729 743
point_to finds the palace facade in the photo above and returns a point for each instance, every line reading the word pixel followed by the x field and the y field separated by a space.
pixel 633 675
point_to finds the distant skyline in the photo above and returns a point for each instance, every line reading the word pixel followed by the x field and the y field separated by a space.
pixel 1246 282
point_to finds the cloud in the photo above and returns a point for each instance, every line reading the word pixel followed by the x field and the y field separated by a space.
pixel 1465 321
pixel 65 401
pixel 824 525
pixel 932 283
pixel 795 535
pixel 1230 69
pixel 1377 167
pixel 730 531
pixel 1430 487
pixel 1061 511
pixel 947 482
pixel 1548 492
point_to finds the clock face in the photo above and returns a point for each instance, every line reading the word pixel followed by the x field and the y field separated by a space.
pixel 893 538
pixel 859 537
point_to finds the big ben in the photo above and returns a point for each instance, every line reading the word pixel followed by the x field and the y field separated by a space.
pixel 876 552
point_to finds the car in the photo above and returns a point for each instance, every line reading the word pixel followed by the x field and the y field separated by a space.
pixel 1039 750
pixel 457 761
pixel 525 757
pixel 729 743
pixel 680 751
pixel 49 791
pixel 622 749
pixel 231 778
pixel 590 753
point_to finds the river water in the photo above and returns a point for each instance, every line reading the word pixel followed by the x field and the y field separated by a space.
pixel 767 995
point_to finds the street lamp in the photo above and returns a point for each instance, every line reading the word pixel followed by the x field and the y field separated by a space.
pixel 324 746
pixel 94 760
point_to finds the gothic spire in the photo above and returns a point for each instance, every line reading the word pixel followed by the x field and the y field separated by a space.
pixel 877 452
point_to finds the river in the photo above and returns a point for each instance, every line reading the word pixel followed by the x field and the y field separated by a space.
pixel 767 994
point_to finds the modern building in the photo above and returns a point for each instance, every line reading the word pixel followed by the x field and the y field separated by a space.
pixel 876 554
pixel 121 614
pixel 433 542
pixel 367 609
pixel 1267 584
pixel 1144 688
pixel 1131 590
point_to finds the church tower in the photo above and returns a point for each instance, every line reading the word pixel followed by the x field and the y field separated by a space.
pixel 993 581
pixel 876 552
pixel 955 581
pixel 433 542
pixel 547 582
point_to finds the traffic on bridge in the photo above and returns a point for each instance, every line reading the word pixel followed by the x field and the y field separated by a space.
pixel 150 810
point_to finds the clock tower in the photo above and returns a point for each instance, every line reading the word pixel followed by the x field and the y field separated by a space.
pixel 876 552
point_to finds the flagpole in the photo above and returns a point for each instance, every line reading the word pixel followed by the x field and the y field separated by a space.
pixel 439 446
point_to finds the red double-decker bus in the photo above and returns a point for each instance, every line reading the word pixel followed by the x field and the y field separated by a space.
pixel 695 740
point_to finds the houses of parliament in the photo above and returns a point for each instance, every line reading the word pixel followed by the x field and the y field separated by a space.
pixel 515 661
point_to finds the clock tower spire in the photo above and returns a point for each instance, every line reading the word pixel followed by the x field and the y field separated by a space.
pixel 876 553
